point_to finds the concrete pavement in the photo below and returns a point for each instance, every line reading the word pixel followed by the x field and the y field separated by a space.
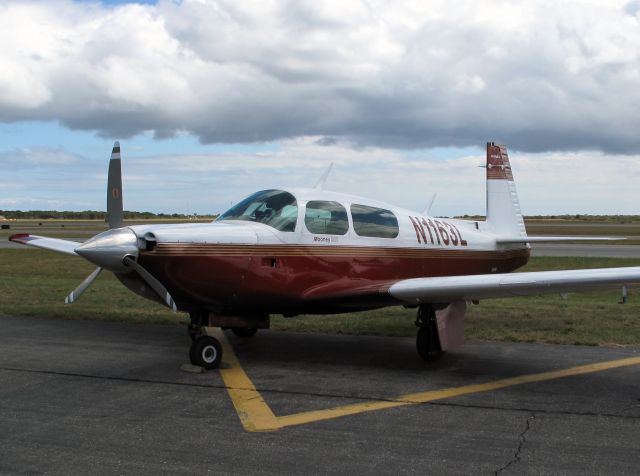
pixel 99 397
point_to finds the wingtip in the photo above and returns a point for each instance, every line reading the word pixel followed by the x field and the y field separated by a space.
pixel 20 238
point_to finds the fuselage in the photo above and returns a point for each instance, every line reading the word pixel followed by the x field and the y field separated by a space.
pixel 310 250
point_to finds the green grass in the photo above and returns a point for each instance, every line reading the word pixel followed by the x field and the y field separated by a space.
pixel 35 282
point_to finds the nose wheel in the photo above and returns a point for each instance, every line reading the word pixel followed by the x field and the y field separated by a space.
pixel 206 352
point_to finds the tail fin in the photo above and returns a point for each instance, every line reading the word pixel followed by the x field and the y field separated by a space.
pixel 503 206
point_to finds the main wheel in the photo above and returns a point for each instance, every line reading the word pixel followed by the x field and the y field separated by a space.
pixel 206 352
pixel 427 340
pixel 428 344
pixel 244 331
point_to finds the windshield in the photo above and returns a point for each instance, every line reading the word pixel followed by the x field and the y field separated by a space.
pixel 272 207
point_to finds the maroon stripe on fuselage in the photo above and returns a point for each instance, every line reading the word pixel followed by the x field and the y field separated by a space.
pixel 297 278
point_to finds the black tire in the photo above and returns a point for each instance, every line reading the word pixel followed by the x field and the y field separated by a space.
pixel 428 344
pixel 244 331
pixel 206 352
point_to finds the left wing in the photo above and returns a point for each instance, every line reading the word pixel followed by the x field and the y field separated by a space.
pixel 484 286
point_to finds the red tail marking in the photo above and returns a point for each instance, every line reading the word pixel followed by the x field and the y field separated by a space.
pixel 498 166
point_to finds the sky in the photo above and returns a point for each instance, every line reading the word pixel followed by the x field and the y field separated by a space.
pixel 212 100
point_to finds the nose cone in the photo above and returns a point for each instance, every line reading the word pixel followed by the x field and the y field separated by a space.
pixel 108 249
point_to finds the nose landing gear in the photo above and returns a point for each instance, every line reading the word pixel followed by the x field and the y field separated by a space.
pixel 206 352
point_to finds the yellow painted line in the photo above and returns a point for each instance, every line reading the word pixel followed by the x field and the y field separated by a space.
pixel 254 413
pixel 429 396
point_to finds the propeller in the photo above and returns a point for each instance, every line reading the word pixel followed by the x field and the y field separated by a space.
pixel 152 282
pixel 114 189
pixel 75 294
pixel 117 248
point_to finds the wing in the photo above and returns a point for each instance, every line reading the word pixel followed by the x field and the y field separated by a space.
pixel 484 286
pixel 554 239
pixel 54 244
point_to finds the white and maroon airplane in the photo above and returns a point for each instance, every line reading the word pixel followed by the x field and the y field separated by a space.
pixel 313 251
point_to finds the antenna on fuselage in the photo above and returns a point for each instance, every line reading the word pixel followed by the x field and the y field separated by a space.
pixel 427 211
pixel 323 178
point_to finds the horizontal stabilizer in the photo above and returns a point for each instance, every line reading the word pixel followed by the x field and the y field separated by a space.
pixel 485 286
pixel 554 239
pixel 53 244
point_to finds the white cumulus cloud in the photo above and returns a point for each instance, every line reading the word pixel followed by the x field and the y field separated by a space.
pixel 538 74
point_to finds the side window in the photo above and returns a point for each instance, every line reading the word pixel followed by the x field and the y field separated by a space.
pixel 374 222
pixel 326 218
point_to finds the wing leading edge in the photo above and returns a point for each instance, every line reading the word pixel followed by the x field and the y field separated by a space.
pixel 484 286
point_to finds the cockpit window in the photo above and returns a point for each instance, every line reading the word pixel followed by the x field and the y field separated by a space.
pixel 374 222
pixel 275 208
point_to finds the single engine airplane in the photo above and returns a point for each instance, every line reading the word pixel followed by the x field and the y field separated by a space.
pixel 313 251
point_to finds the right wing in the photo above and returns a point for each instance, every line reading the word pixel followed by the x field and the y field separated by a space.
pixel 554 239
pixel 53 244
pixel 484 286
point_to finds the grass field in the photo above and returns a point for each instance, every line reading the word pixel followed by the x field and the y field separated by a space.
pixel 35 282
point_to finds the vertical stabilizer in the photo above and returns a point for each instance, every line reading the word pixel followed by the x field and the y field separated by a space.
pixel 503 206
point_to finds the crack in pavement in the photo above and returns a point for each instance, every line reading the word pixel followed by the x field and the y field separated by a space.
pixel 522 440
pixel 266 390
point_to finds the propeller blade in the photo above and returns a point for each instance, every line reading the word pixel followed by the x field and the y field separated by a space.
pixel 77 292
pixel 114 189
pixel 152 282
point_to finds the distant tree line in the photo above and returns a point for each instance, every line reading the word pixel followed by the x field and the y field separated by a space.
pixel 89 215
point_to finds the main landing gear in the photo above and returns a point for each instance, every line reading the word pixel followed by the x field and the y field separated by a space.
pixel 427 340
pixel 206 350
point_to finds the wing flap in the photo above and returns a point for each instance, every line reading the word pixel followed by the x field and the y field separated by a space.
pixel 484 286
pixel 53 244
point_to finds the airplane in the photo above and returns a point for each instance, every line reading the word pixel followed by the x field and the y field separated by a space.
pixel 303 251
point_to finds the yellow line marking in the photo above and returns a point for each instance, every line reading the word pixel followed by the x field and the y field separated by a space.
pixel 256 415
pixel 253 411
pixel 429 396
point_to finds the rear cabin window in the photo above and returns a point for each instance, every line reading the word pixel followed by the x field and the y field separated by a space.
pixel 326 218
pixel 374 222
